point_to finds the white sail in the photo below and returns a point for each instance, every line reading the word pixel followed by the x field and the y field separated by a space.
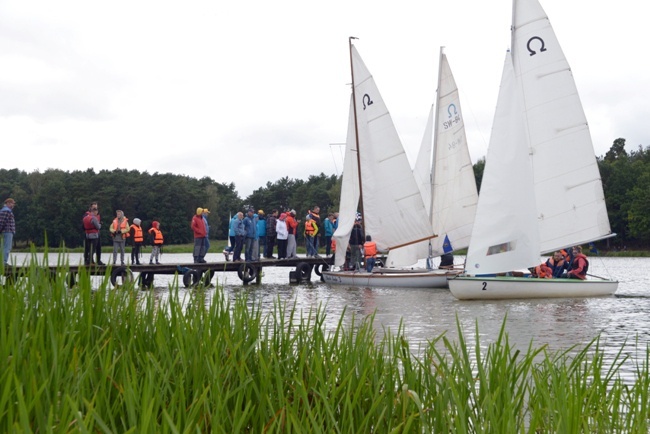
pixel 450 188
pixel 570 201
pixel 394 213
pixel 505 235
pixel 422 166
pixel 422 173
pixel 454 186
pixel 349 200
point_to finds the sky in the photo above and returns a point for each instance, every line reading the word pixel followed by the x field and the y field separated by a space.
pixel 252 91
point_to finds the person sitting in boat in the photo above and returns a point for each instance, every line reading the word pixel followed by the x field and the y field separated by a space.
pixel 447 260
pixel 567 254
pixel 579 266
pixel 542 271
pixel 557 264
pixel 370 253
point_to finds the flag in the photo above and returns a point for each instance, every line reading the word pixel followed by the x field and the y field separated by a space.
pixel 446 245
pixel 593 249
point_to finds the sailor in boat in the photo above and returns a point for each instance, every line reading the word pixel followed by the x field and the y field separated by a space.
pixel 554 267
pixel 447 260
pixel 579 266
pixel 370 253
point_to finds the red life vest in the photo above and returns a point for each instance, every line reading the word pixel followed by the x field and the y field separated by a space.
pixel 88 225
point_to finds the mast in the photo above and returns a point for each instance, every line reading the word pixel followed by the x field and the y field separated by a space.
pixel 433 152
pixel 356 136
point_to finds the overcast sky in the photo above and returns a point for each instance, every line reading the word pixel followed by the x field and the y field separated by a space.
pixel 251 91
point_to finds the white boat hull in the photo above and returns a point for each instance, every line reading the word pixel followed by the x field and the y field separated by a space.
pixel 391 279
pixel 495 288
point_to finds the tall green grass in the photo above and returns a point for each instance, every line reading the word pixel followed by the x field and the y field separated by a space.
pixel 100 360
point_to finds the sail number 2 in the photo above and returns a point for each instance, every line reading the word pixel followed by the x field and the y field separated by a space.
pixel 484 286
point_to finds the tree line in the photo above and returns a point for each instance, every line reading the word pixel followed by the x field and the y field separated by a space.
pixel 51 204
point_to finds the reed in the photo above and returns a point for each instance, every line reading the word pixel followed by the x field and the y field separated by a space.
pixel 95 359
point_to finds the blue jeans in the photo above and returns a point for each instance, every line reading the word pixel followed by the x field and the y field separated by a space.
pixel 370 264
pixel 311 250
pixel 248 253
pixel 8 241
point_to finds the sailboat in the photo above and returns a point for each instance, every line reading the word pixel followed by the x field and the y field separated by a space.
pixel 541 188
pixel 445 175
pixel 378 180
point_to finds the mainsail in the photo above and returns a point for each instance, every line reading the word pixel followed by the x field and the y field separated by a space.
pixel 394 213
pixel 568 189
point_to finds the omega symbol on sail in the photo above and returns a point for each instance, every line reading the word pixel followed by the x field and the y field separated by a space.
pixel 542 47
pixel 365 98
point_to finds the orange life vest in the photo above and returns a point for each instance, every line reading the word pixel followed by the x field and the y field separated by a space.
pixel 120 227
pixel 309 228
pixel 370 249
pixel 158 236
pixel 543 271
pixel 138 237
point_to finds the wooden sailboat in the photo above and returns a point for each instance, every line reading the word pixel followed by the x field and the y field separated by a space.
pixel 377 178
pixel 541 189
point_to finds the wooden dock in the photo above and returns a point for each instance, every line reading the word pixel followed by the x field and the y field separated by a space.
pixel 192 274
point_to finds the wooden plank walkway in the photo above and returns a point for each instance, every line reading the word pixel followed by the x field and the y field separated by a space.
pixel 192 273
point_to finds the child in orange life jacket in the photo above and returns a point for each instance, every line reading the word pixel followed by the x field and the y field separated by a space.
pixel 156 238
pixel 138 239
pixel 119 231
pixel 370 253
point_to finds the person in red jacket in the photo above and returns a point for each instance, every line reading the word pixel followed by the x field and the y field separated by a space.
pixel 579 266
pixel 200 236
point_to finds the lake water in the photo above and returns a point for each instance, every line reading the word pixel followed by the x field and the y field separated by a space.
pixel 428 313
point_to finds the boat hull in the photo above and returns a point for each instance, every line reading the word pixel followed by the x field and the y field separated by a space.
pixel 496 288
pixel 391 279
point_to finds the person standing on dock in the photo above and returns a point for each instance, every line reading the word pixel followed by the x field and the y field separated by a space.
pixel 329 232
pixel 261 234
pixel 119 231
pixel 292 229
pixel 240 233
pixel 315 216
pixel 283 235
pixel 231 237
pixel 157 239
pixel 92 225
pixel 7 227
pixel 271 234
pixel 206 213
pixel 200 233
pixel 135 232
pixel 251 232
pixel 311 231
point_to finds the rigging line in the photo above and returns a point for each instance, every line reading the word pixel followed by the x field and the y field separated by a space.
pixel 340 145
